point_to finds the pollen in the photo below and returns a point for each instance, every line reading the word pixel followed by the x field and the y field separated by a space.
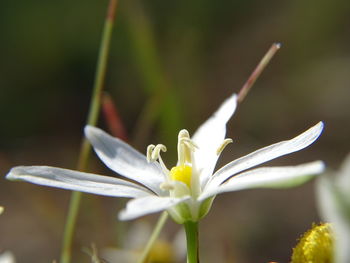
pixel 316 246
pixel 182 173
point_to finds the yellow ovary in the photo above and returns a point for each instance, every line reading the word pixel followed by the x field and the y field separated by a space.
pixel 182 173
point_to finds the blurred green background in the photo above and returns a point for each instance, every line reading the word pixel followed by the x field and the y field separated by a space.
pixel 175 62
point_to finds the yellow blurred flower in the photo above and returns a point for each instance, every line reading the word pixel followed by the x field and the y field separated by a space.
pixel 315 246
pixel 164 250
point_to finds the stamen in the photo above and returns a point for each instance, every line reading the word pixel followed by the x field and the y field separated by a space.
pixel 156 151
pixel 184 134
pixel 167 186
pixel 189 143
pixel 223 145
pixel 149 152
pixel 185 147
pixel 153 153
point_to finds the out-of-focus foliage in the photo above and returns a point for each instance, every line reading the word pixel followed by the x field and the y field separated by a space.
pixel 195 52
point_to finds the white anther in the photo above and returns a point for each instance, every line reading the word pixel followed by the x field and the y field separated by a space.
pixel 149 152
pixel 185 147
pixel 153 154
pixel 156 151
pixel 189 143
pixel 167 186
pixel 183 134
pixel 223 145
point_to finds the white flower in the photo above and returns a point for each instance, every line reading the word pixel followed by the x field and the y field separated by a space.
pixel 187 190
pixel 164 249
pixel 333 196
pixel 7 257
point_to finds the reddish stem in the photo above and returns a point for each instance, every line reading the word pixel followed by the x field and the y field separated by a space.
pixel 114 122
pixel 257 71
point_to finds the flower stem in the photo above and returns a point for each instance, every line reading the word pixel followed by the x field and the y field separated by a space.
pixel 191 229
pixel 85 149
pixel 160 223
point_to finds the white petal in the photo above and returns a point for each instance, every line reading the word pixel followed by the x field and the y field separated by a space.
pixel 147 205
pixel 266 154
pixel 77 181
pixel 210 136
pixel 335 209
pixel 268 177
pixel 125 160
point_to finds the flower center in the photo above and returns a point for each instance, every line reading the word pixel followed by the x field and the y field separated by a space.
pixel 182 173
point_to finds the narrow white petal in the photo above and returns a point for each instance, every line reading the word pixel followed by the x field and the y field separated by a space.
pixel 210 136
pixel 77 181
pixel 147 205
pixel 334 208
pixel 125 160
pixel 268 177
pixel 266 154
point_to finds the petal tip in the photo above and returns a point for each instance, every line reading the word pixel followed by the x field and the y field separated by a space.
pixel 89 130
pixel 315 167
pixel 315 131
pixel 319 127
pixel 123 215
pixel 234 97
pixel 13 174
pixel 92 133
pixel 321 166
pixel 9 176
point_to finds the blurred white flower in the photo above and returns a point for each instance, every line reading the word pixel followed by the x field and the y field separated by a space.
pixel 187 190
pixel 333 196
pixel 163 250
pixel 1 209
pixel 7 257
pixel 315 246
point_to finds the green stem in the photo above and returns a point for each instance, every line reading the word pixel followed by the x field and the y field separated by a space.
pixel 191 229
pixel 160 223
pixel 85 149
